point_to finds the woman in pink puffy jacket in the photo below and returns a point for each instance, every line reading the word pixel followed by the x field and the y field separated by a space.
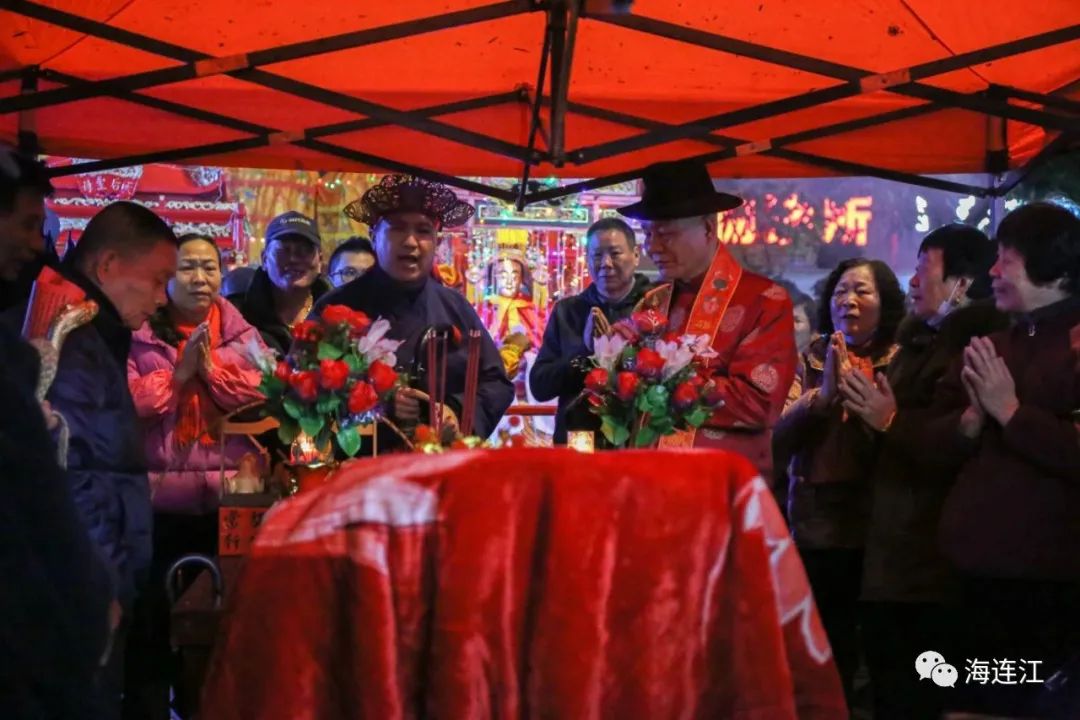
pixel 187 369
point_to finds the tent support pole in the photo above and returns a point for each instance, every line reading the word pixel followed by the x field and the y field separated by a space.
pixel 534 118
pixel 747 149
pixel 564 23
pixel 857 81
pixel 341 101
pixel 805 158
pixel 28 137
pixel 1049 151
pixel 235 65
pixel 311 144
pixel 1045 100
pixel 264 139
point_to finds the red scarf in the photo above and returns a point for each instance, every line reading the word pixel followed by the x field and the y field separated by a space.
pixel 196 410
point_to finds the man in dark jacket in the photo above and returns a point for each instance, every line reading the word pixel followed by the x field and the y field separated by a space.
pixel 23 190
pixel 405 214
pixel 908 589
pixel 612 257
pixel 56 590
pixel 282 292
pixel 123 262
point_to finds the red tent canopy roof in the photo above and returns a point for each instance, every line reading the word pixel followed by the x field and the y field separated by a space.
pixel 772 50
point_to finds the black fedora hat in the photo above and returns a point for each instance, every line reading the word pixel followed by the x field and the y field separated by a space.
pixel 678 189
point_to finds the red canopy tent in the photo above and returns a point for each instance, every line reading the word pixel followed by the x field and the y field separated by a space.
pixel 445 88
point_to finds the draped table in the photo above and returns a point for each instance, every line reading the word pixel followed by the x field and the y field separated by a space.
pixel 526 583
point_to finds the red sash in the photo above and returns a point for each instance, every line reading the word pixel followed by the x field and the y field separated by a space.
pixel 711 303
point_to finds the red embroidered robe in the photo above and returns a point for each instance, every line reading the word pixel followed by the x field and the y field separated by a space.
pixel 755 363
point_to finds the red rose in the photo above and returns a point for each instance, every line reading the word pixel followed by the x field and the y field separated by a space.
pixel 362 398
pixel 648 363
pixel 381 376
pixel 649 322
pixel 358 321
pixel 597 380
pixel 626 385
pixel 698 380
pixel 307 331
pixel 283 372
pixel 685 395
pixel 336 314
pixel 306 385
pixel 333 374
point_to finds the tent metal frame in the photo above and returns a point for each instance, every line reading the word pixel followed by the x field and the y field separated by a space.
pixel 1053 112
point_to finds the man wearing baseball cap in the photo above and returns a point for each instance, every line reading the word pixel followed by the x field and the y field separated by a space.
pixel 283 291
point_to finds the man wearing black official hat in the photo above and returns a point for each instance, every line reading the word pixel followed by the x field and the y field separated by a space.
pixel 704 291
pixel 283 291
pixel 405 214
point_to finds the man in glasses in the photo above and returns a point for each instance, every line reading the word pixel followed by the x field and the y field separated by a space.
pixel 286 287
pixel 350 260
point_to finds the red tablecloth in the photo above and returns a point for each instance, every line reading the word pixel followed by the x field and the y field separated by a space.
pixel 526 584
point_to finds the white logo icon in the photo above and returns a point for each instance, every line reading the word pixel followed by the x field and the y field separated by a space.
pixel 926 662
pixel 931 665
pixel 944 675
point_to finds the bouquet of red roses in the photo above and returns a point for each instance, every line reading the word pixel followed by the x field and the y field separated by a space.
pixel 338 377
pixel 647 382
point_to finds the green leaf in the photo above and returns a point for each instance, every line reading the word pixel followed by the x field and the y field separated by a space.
pixel 293 407
pixel 328 404
pixel 329 352
pixel 349 440
pixel 662 424
pixel 646 436
pixel 287 431
pixel 311 424
pixel 698 417
pixel 271 386
pixel 616 433
pixel 356 363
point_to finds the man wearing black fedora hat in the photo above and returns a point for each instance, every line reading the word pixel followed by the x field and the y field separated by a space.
pixel 704 291
pixel 404 214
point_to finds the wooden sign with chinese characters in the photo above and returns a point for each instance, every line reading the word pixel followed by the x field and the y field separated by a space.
pixel 239 518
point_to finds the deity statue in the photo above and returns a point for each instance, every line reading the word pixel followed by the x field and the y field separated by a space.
pixel 510 307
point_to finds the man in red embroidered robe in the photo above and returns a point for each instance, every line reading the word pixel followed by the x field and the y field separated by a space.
pixel 705 292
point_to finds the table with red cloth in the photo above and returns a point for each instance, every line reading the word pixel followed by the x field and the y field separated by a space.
pixel 526 583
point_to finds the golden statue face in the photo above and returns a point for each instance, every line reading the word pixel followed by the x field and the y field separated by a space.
pixel 508 278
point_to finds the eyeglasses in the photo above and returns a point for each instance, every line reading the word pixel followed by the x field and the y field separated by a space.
pixel 346 274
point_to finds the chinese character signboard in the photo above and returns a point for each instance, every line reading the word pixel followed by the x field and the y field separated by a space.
pixel 239 519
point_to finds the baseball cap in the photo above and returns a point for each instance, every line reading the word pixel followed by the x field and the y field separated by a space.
pixel 293 223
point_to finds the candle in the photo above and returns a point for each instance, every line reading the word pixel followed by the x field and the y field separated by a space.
pixel 580 440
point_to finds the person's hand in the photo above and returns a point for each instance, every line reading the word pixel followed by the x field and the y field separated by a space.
pixel 52 420
pixel 407 405
pixel 986 376
pixel 187 366
pixel 876 405
pixel 827 394
pixel 206 356
pixel 596 324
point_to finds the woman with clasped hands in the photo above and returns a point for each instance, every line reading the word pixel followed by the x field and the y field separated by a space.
pixel 831 450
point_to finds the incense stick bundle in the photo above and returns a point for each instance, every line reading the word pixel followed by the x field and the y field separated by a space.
pixel 472 381
pixel 432 377
pixel 444 358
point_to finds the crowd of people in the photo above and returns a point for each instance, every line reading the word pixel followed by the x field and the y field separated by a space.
pixel 925 445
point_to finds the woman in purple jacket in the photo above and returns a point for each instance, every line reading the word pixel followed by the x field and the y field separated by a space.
pixel 187 369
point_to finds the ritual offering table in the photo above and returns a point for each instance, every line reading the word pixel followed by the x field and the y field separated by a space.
pixel 526 583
